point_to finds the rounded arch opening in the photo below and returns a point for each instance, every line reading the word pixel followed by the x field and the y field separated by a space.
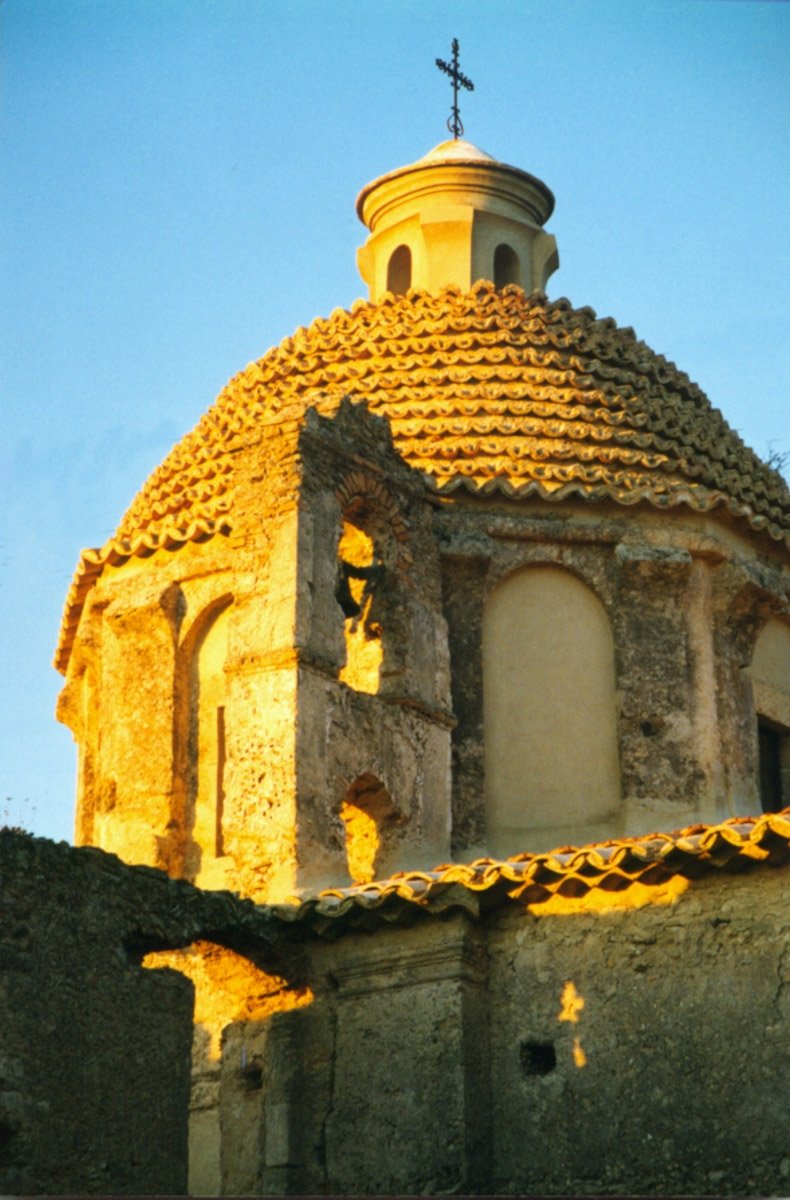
pixel 399 271
pixel 367 553
pixel 550 710
pixel 368 814
pixel 233 993
pixel 507 268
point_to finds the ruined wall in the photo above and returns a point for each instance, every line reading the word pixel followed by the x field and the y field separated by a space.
pixel 671 1045
pixel 95 1051
pixel 94 1048
pixel 229 696
pixel 631 1043
pixel 624 1042
pixel 361 509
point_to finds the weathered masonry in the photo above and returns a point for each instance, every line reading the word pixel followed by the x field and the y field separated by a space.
pixel 471 577
pixel 602 1022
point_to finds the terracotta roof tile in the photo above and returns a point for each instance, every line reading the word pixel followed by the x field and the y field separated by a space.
pixel 487 391
pixel 569 871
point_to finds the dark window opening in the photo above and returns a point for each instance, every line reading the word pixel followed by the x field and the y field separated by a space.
pixel 774 747
pixel 399 271
pixel 506 266
pixel 538 1058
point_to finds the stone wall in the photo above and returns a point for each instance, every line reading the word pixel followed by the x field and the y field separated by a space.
pixel 95 1049
pixel 622 1042
pixel 672 1077
pixel 588 1048
pixel 222 741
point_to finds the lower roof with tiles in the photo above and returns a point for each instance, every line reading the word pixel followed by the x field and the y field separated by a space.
pixel 571 872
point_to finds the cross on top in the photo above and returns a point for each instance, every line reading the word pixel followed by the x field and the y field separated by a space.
pixel 458 78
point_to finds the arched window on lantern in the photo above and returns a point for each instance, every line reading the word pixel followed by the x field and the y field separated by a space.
pixel 506 266
pixel 399 271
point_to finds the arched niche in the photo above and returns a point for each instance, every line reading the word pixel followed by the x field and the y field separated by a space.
pixel 399 271
pixel 550 714
pixel 770 675
pixel 506 266
pixel 206 742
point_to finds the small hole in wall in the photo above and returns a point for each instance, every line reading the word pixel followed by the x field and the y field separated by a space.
pixel 251 1079
pixel 538 1058
pixel 650 728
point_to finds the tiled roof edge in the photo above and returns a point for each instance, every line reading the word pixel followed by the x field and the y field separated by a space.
pixel 116 551
pixel 572 871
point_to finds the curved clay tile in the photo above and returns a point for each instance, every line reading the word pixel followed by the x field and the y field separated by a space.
pixel 487 391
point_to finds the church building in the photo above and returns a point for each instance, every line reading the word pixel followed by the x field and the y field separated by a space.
pixel 462 571
pixel 456 635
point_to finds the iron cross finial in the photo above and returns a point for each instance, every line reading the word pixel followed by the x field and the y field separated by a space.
pixel 458 77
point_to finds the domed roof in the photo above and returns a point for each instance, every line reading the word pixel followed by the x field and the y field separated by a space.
pixel 487 391
pixel 454 153
pixel 457 150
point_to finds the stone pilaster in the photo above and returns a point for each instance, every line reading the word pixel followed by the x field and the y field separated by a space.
pixel 662 777
pixel 411 1063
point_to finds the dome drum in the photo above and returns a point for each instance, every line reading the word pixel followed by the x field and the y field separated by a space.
pixel 452 210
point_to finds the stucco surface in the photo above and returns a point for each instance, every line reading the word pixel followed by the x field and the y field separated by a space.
pixel 636 1045
pixel 550 709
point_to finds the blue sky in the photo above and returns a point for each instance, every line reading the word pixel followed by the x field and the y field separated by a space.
pixel 177 195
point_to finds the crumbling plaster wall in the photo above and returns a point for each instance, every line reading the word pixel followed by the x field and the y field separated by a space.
pixel 295 736
pixel 686 596
pixel 593 1047
pixel 95 1051
pixel 379 1085
pixel 680 1086
pixel 99 1075
pixel 400 731
pixel 621 1043
pixel 126 696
